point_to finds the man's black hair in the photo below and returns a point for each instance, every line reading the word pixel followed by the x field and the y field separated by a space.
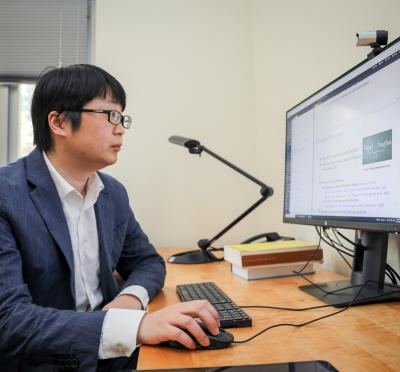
pixel 69 88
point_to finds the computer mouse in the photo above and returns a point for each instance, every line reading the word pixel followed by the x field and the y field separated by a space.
pixel 222 340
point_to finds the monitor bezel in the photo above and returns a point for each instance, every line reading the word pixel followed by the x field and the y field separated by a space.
pixel 326 222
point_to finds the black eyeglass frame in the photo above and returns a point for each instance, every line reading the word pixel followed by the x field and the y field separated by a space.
pixel 125 120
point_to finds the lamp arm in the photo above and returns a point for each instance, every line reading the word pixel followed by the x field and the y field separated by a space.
pixel 265 190
pixel 204 255
pixel 205 243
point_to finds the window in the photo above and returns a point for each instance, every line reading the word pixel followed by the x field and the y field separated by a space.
pixel 16 134
pixel 25 133
pixel 33 36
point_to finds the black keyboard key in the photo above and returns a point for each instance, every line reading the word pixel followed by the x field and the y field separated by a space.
pixel 231 315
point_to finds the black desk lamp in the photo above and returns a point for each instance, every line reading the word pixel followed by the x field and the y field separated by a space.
pixel 205 255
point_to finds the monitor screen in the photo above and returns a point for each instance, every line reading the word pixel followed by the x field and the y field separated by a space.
pixel 342 164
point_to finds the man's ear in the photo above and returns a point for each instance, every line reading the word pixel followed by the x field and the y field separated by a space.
pixel 57 123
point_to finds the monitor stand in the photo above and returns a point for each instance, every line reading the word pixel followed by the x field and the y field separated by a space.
pixel 367 279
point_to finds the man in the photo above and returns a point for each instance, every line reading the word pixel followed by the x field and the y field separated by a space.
pixel 65 228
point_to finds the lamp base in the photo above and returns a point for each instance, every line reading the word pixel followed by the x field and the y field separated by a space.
pixel 193 257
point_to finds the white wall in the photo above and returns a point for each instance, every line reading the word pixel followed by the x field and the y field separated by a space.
pixel 187 69
pixel 224 72
pixel 299 46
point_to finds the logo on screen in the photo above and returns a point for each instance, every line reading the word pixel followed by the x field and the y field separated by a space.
pixel 377 147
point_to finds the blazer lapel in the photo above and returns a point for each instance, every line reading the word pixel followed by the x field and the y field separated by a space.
pixel 103 208
pixel 48 203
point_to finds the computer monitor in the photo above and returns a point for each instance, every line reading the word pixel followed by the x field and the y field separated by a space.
pixel 342 169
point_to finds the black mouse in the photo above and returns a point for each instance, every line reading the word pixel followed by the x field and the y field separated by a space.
pixel 222 340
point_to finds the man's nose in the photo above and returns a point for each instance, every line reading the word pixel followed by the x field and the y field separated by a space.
pixel 119 129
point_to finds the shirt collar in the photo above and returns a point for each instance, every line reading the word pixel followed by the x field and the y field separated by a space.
pixel 93 187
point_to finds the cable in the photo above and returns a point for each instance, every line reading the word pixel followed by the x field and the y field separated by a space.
pixel 332 244
pixel 320 306
pixel 313 320
pixel 302 269
pixel 345 238
pixel 336 232
pixel 344 259
pixel 312 283
pixel 390 272
pixel 395 273
pixel 336 290
pixel 391 277
pixel 288 325
pixel 284 308
pixel 340 289
pixel 337 243
pixel 310 259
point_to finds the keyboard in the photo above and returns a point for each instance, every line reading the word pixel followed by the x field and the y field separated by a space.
pixel 230 314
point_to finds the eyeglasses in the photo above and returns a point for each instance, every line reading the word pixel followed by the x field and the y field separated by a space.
pixel 114 117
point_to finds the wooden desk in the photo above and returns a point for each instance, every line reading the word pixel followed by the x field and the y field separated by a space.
pixel 364 338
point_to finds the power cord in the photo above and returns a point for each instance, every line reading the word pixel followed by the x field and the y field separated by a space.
pixel 311 258
pixel 390 272
pixel 342 250
pixel 312 320
pixel 335 245
pixel 346 252
pixel 310 308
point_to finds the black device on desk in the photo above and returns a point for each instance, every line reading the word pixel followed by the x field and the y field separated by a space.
pixel 220 341
pixel 230 314
pixel 268 237
pixel 307 366
pixel 341 170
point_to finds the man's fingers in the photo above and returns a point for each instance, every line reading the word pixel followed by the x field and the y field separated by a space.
pixel 179 335
pixel 185 340
pixel 206 312
pixel 209 321
pixel 213 312
pixel 190 325
pixel 171 323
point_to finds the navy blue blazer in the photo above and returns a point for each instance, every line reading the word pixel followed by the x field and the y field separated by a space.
pixel 39 327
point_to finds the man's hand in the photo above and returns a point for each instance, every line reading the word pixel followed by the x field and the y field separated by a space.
pixel 124 301
pixel 170 323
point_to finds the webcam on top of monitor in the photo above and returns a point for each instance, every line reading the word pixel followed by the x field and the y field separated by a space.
pixel 374 39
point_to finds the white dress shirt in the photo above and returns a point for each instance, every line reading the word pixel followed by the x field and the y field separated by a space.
pixel 120 326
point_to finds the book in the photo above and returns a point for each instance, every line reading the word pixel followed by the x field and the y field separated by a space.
pixel 274 246
pixel 270 253
pixel 272 271
pixel 279 258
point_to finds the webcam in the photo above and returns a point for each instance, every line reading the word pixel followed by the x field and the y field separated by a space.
pixel 370 38
pixel 374 39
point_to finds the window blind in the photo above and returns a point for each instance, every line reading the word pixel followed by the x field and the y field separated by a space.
pixel 41 33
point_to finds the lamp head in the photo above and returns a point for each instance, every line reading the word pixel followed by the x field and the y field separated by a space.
pixel 192 145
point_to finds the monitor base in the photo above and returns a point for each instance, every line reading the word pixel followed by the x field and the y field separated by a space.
pixel 344 295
